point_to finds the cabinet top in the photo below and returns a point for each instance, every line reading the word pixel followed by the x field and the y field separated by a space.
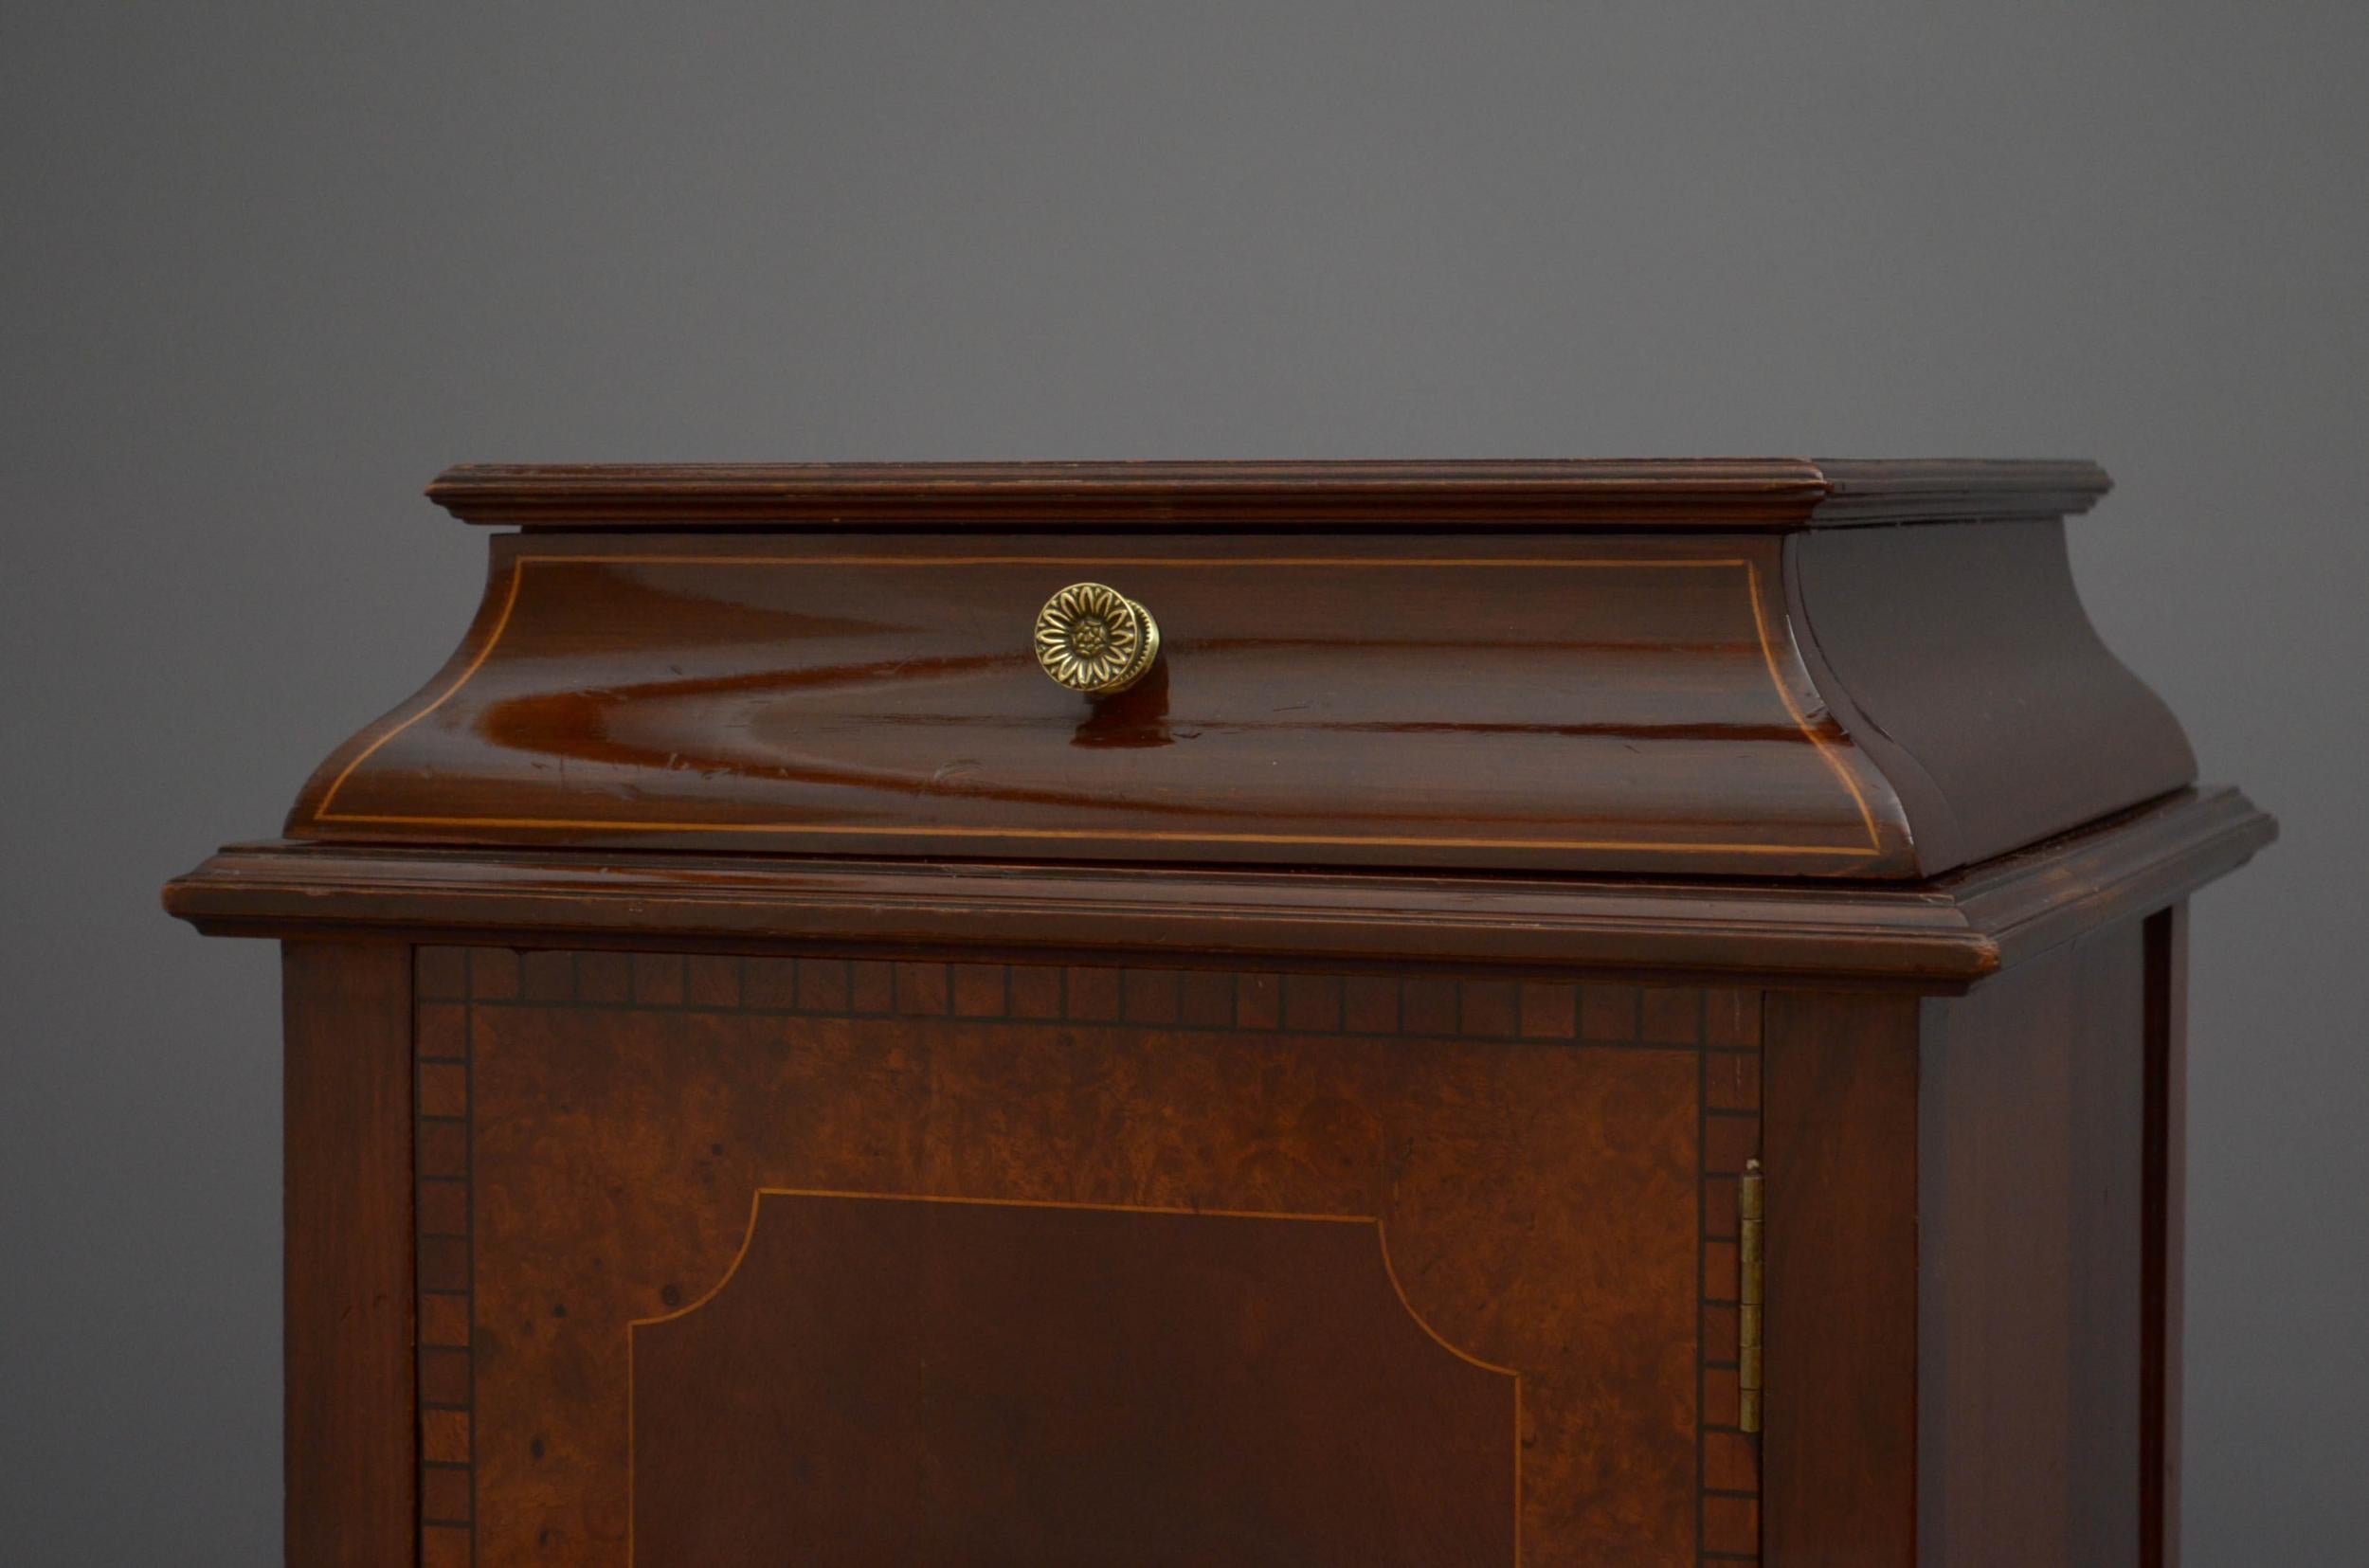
pixel 1727 494
pixel 763 704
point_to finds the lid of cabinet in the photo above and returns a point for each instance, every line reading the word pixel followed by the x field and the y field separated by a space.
pixel 1571 667
pixel 1691 493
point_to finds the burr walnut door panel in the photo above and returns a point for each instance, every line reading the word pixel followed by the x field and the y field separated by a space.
pixel 756 1261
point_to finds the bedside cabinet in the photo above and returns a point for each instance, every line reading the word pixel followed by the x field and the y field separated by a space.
pixel 1376 1016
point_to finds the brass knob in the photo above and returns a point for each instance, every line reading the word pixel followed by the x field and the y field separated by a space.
pixel 1095 640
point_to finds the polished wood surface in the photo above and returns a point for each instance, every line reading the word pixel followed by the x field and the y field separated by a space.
pixel 962 1388
pixel 352 1499
pixel 1538 1178
pixel 1350 702
pixel 1939 644
pixel 1944 934
pixel 1840 1134
pixel 1621 703
pixel 771 1074
pixel 2033 1345
pixel 1682 493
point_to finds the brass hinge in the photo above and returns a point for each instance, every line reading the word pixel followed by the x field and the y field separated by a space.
pixel 1748 1297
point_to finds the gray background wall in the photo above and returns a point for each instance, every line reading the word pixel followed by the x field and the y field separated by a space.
pixel 269 267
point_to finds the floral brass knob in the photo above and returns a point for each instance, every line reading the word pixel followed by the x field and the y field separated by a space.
pixel 1095 640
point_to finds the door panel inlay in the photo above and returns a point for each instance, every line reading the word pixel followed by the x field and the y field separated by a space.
pixel 956 1381
pixel 1164 1197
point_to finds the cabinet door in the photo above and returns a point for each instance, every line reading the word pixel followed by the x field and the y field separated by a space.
pixel 757 1260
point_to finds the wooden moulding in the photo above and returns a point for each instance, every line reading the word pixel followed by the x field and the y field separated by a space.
pixel 1942 936
pixel 1630 669
pixel 1677 492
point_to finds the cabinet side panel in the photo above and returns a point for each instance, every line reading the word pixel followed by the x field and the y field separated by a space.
pixel 2030 1342
pixel 347 1209
pixel 1841 1242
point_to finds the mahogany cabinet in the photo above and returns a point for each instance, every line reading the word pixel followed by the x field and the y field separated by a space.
pixel 1423 1014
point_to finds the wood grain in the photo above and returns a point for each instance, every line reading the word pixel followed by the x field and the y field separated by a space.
pixel 2030 1329
pixel 1682 493
pixel 1628 706
pixel 1528 1163
pixel 1889 703
pixel 1840 1440
pixel 1942 935
pixel 1499 857
pixel 350 1456
pixel 957 1383
pixel 1941 644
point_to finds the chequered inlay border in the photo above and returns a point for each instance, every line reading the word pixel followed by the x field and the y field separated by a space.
pixel 1729 1525
pixel 1722 1026
pixel 443 983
